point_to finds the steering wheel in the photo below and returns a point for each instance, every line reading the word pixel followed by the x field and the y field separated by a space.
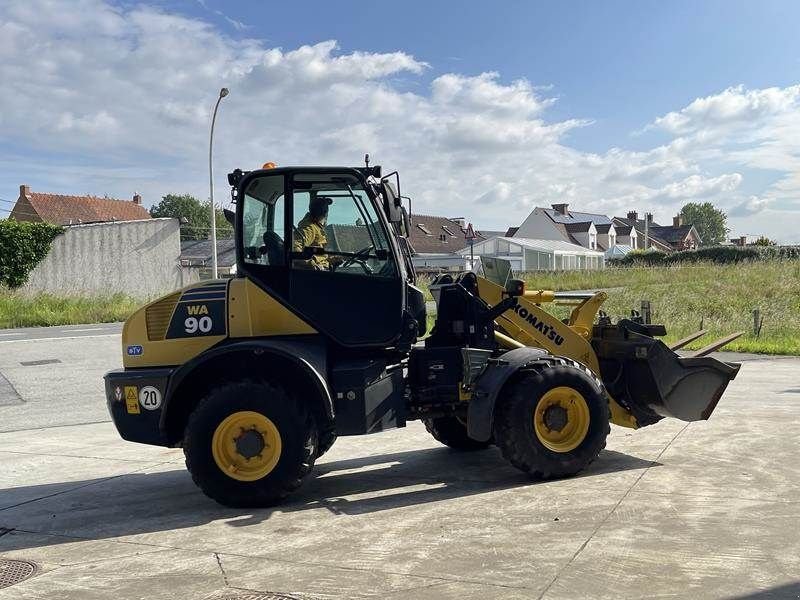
pixel 360 259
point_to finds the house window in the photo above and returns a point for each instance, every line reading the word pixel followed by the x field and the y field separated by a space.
pixel 612 241
pixel 448 232
pixel 593 241
pixel 424 229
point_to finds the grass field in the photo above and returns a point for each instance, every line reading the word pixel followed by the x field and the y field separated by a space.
pixel 721 297
pixel 44 310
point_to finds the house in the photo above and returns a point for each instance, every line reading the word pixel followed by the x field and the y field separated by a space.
pixel 436 243
pixel 666 238
pixel 592 231
pixel 73 210
pixel 526 254
pixel 743 240
pixel 196 260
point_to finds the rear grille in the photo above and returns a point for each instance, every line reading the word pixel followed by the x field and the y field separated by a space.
pixel 158 316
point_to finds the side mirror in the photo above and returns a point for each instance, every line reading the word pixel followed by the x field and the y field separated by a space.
pixel 515 287
pixel 230 216
pixel 392 203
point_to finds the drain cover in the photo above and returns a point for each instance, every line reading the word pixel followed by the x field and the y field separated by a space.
pixel 14 571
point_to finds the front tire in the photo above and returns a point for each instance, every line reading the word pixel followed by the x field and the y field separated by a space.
pixel 451 432
pixel 249 444
pixel 552 421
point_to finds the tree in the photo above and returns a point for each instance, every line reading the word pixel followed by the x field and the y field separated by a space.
pixel 764 241
pixel 709 221
pixel 197 225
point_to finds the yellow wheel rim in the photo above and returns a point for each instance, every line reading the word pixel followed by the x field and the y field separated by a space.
pixel 561 419
pixel 246 446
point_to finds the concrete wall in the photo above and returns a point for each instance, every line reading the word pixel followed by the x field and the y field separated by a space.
pixel 138 258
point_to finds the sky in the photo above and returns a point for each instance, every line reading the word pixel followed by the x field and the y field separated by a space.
pixel 486 109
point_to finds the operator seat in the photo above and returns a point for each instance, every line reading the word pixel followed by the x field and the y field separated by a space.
pixel 273 248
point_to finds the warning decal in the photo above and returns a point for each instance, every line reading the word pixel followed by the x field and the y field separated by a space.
pixel 132 400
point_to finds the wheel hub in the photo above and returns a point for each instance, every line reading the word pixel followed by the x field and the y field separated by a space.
pixel 246 445
pixel 250 443
pixel 555 417
pixel 561 419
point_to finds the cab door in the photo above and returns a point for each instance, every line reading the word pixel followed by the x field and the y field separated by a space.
pixel 356 294
pixel 349 287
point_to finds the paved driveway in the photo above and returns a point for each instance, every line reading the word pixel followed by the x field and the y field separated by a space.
pixel 707 510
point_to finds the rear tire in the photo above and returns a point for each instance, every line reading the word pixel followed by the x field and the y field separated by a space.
pixel 451 432
pixel 577 435
pixel 278 462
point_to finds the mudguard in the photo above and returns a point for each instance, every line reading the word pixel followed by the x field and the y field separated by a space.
pixel 499 370
pixel 308 354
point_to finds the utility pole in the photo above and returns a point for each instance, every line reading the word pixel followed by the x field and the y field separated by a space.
pixel 222 93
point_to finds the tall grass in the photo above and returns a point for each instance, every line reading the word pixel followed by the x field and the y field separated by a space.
pixel 720 297
pixel 44 309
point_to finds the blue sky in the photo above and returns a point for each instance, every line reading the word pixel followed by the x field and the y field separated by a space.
pixel 620 63
pixel 488 108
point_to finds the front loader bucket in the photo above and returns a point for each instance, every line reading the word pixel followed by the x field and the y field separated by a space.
pixel 653 382
pixel 687 388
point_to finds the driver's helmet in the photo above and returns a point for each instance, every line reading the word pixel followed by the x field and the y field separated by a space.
pixel 318 206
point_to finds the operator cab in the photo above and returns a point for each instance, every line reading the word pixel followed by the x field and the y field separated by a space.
pixel 338 234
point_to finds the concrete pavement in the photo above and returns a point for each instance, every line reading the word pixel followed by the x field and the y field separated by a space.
pixel 706 510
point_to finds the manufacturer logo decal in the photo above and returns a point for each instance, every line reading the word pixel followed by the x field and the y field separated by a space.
pixel 135 350
pixel 547 331
pixel 118 394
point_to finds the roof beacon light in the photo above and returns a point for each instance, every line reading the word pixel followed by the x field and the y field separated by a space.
pixel 269 165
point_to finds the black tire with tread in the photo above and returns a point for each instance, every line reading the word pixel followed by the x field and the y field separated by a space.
pixel 451 432
pixel 326 439
pixel 513 420
pixel 298 440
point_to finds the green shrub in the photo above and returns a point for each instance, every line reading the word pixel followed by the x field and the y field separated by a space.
pixel 722 255
pixel 22 246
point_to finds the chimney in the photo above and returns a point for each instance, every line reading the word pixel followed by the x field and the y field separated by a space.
pixel 24 191
pixel 633 215
pixel 561 209
pixel 677 220
pixel 137 199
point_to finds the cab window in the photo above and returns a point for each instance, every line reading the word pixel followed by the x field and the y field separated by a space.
pixel 263 236
pixel 336 228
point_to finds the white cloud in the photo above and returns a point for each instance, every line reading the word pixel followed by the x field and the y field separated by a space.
pixel 751 206
pixel 734 107
pixel 128 108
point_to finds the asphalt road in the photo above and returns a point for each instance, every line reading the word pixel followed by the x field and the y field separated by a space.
pixel 701 510
pixel 60 332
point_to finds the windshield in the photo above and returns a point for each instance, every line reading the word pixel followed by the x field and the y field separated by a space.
pixel 336 227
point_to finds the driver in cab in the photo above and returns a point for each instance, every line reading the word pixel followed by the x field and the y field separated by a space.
pixel 310 233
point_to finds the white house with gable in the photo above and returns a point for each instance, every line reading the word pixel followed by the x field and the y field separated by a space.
pixel 592 231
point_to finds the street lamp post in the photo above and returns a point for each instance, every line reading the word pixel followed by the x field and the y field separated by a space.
pixel 222 93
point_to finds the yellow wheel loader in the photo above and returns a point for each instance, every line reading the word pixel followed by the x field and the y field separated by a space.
pixel 317 337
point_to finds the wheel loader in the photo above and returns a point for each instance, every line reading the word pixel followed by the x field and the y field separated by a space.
pixel 318 337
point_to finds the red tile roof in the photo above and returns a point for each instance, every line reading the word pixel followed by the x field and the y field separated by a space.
pixel 438 235
pixel 71 210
